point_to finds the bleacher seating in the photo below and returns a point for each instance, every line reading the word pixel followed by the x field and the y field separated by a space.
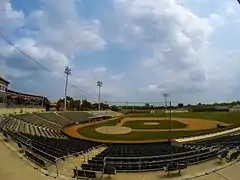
pixel 233 154
pixel 33 119
pixel 15 125
pixel 146 157
pixel 80 174
pixel 35 158
pixel 175 167
pixel 75 116
pixel 4 121
pixel 56 120
pixel 225 141
pixel 51 148
pixel 53 117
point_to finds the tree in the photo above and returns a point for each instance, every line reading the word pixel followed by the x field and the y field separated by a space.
pixel 95 106
pixel 147 105
pixel 70 103
pixel 180 105
pixel 86 105
pixel 114 108
pixel 77 105
pixel 47 105
pixel 104 106
pixel 58 106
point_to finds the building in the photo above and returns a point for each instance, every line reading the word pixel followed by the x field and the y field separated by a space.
pixel 10 98
pixel 3 92
pixel 15 98
pixel 178 110
pixel 223 108
pixel 53 106
pixel 235 108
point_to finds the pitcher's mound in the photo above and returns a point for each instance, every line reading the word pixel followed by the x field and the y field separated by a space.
pixel 113 130
pixel 151 123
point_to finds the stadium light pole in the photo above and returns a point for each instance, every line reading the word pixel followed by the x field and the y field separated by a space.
pixel 165 95
pixel 99 84
pixel 68 72
pixel 170 116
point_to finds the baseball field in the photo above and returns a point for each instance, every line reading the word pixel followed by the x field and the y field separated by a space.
pixel 153 127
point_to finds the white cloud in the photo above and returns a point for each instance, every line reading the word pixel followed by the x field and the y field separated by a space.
pixel 9 18
pixel 54 41
pixel 150 88
pixel 100 70
pixel 60 26
pixel 117 76
pixel 49 57
pixel 177 42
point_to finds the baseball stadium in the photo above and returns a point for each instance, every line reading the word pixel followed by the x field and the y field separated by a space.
pixel 172 51
pixel 101 144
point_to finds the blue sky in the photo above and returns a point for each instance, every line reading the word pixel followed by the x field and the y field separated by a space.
pixel 139 49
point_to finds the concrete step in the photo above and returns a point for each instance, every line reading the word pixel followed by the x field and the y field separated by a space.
pixel 35 130
pixel 46 132
pixel 9 124
pixel 15 126
pixel 50 133
pixel 31 129
pixel 25 127
pixel 11 127
pixel 56 135
pixel 18 125
pixel 41 132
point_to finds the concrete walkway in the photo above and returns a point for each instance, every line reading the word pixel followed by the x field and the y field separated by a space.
pixel 12 167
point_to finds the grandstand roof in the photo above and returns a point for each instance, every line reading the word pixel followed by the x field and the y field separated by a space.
pixel 24 94
pixel 2 79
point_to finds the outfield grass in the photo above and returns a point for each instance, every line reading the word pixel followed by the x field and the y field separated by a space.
pixel 163 124
pixel 227 117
